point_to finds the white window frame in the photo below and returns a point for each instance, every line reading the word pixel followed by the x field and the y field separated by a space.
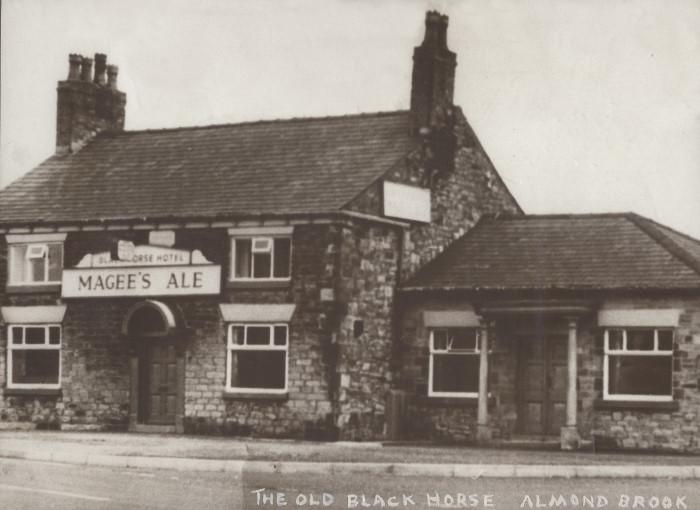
pixel 231 346
pixel 457 352
pixel 11 346
pixel 30 241
pixel 253 251
pixel 629 352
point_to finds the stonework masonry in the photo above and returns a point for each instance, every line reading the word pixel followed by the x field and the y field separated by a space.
pixel 608 425
pixel 667 430
pixel 343 346
pixel 354 336
pixel 95 355
pixel 375 261
pixel 342 273
pixel 369 268
pixel 464 187
pixel 462 191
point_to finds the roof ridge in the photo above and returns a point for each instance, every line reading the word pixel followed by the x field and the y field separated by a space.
pixel 384 113
pixel 678 232
pixel 651 229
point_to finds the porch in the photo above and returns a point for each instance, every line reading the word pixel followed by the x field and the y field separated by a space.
pixel 527 361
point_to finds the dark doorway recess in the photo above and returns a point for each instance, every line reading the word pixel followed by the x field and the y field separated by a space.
pixel 157 368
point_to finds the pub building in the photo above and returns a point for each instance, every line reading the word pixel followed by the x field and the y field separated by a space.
pixel 360 277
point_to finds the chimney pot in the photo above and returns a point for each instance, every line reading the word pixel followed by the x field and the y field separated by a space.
pixel 86 70
pixel 74 61
pixel 112 72
pixel 100 67
pixel 435 30
pixel 87 104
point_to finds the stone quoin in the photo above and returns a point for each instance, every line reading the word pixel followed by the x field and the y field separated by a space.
pixel 359 277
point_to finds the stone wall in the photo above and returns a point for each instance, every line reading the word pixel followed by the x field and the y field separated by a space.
pixel 452 419
pixel 618 427
pixel 95 371
pixel 307 410
pixel 342 274
pixel 95 356
pixel 369 265
pixel 464 186
pixel 676 430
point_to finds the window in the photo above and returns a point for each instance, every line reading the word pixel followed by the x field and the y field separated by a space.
pixel 257 358
pixel 638 364
pixel 34 356
pixel 35 259
pixel 261 258
pixel 454 362
pixel 32 264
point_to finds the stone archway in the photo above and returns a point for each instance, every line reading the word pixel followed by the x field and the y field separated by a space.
pixel 157 368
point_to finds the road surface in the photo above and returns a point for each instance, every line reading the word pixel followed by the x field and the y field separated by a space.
pixel 35 485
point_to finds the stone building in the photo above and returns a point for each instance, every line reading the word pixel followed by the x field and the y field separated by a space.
pixel 583 328
pixel 236 279
pixel 357 277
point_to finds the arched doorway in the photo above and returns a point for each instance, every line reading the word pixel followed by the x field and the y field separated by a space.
pixel 157 368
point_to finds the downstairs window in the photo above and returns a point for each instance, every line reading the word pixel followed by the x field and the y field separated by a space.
pixel 257 358
pixel 454 362
pixel 638 364
pixel 34 356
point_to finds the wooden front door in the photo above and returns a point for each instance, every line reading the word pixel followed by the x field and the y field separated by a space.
pixel 542 380
pixel 158 382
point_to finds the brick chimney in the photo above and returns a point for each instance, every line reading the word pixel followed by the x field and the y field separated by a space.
pixel 87 104
pixel 432 86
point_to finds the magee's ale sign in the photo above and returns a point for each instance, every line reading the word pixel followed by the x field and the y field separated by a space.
pixel 142 271
pixel 145 281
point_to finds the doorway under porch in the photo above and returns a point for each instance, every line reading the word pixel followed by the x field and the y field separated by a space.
pixel 532 367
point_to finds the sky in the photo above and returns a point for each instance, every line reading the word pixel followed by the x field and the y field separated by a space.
pixel 583 105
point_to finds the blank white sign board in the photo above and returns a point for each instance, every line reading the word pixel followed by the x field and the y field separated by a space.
pixel 406 202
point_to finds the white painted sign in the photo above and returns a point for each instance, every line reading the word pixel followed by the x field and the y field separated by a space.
pixel 161 237
pixel 406 202
pixel 141 281
pixel 143 255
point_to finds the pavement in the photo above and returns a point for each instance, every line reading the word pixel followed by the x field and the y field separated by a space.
pixel 239 455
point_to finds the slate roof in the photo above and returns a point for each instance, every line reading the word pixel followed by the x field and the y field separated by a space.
pixel 313 165
pixel 604 251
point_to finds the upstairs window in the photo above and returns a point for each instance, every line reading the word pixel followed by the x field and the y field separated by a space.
pixel 35 259
pixel 454 362
pixel 34 356
pixel 261 258
pixel 638 364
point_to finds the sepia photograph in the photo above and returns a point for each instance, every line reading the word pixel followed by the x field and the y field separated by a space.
pixel 349 254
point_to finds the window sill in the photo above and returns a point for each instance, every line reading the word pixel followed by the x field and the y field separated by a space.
pixel 235 395
pixel 635 405
pixel 262 284
pixel 32 392
pixel 33 289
